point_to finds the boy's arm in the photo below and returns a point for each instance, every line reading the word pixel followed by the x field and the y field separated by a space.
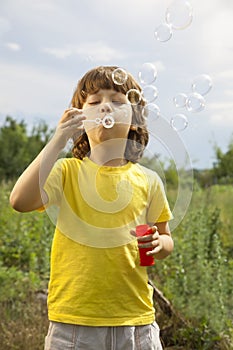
pixel 162 241
pixel 28 193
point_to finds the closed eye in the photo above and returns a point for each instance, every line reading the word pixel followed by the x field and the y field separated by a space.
pixel 93 103
pixel 117 103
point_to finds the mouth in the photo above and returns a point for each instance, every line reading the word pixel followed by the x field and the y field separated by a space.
pixel 108 121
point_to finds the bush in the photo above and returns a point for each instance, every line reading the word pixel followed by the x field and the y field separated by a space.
pixel 25 240
pixel 197 277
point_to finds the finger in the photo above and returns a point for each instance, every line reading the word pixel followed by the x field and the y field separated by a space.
pixel 150 244
pixel 133 233
pixel 145 238
pixel 70 113
pixel 152 229
pixel 73 122
pixel 155 235
pixel 73 109
pixel 145 245
pixel 74 112
pixel 150 237
pixel 156 250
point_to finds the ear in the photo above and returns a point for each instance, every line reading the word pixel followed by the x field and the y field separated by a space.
pixel 133 127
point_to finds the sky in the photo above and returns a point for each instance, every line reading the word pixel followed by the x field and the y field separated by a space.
pixel 46 46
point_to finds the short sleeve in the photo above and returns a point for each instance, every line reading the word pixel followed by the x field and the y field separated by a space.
pixel 158 209
pixel 54 184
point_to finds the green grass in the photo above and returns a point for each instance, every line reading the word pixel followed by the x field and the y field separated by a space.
pixel 196 278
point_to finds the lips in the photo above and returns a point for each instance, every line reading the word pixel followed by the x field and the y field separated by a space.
pixel 108 121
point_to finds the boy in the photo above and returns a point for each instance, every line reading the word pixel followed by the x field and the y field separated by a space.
pixel 99 296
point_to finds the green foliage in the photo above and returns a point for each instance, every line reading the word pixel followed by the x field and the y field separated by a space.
pixel 16 284
pixel 221 197
pixel 205 178
pixel 170 174
pixel 18 147
pixel 198 276
pixel 223 168
pixel 25 240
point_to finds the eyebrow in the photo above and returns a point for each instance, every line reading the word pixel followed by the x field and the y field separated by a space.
pixel 112 94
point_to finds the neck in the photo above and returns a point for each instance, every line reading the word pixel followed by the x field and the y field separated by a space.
pixel 109 153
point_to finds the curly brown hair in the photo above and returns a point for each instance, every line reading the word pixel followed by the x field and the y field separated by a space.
pixel 101 78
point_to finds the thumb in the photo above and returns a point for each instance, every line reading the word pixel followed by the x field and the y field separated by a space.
pixel 133 233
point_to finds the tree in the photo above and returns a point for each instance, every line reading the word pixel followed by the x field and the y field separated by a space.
pixel 18 147
pixel 223 167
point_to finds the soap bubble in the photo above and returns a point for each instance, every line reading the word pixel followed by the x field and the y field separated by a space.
pixel 119 76
pixel 179 122
pixel 98 121
pixel 134 96
pixel 163 32
pixel 180 100
pixel 179 14
pixel 108 121
pixel 150 93
pixel 148 73
pixel 152 116
pixel 195 102
pixel 202 84
pixel 153 111
pixel 95 117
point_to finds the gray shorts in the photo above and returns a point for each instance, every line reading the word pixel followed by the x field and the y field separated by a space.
pixel 63 336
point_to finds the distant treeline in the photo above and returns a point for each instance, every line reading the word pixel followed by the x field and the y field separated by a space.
pixel 19 146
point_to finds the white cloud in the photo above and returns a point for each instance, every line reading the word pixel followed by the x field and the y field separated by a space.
pixel 131 11
pixel 216 35
pixel 223 75
pixel 99 51
pixel 59 53
pixel 222 113
pixel 13 46
pixel 228 93
pixel 222 119
pixel 221 106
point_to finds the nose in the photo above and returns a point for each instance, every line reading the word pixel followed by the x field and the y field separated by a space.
pixel 105 108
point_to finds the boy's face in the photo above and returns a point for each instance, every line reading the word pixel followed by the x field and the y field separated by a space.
pixel 109 115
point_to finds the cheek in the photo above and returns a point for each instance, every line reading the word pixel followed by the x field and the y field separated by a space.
pixel 124 115
pixel 90 112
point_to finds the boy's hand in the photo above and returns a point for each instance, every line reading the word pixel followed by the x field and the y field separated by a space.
pixel 70 122
pixel 151 239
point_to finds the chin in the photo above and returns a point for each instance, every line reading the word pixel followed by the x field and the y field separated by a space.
pixel 101 134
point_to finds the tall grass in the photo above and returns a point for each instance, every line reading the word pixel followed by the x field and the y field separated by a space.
pixel 197 277
pixel 23 324
pixel 25 241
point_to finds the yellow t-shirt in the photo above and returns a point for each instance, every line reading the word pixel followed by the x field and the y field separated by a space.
pixel 95 277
